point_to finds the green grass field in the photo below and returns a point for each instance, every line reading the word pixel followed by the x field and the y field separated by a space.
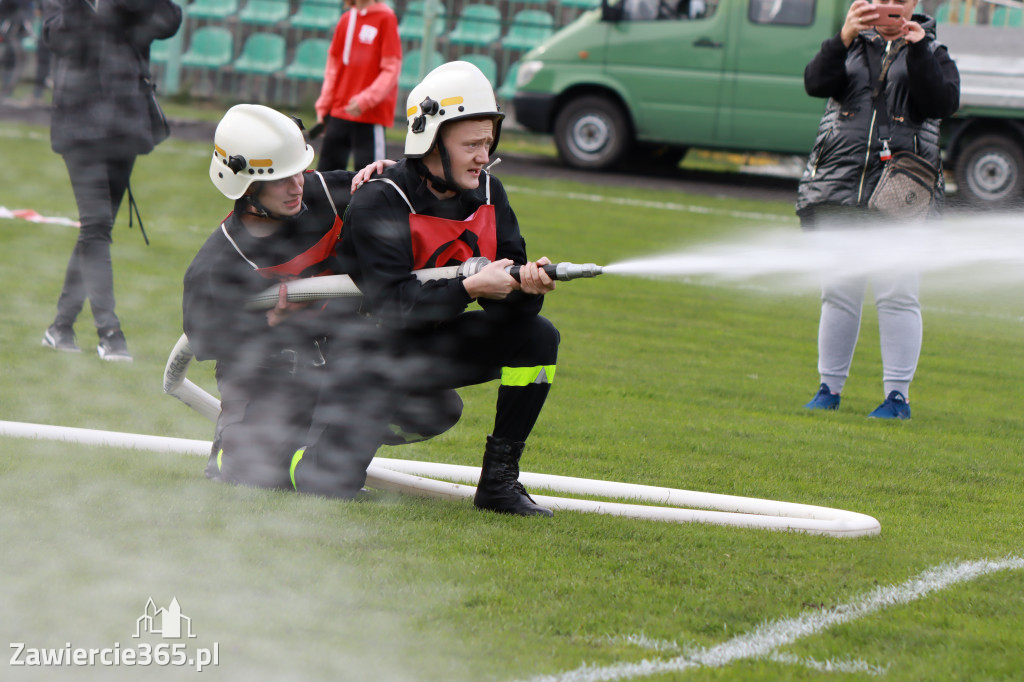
pixel 681 384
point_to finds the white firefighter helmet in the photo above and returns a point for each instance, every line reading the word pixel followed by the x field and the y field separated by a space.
pixel 254 143
pixel 451 91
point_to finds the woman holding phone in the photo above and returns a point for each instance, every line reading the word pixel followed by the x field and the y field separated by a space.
pixel 888 82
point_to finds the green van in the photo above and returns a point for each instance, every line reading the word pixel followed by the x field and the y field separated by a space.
pixel 641 81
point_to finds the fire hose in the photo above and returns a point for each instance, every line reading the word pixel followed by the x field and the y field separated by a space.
pixel 409 476
pixel 339 286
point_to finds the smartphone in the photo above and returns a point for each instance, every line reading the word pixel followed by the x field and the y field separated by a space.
pixel 888 15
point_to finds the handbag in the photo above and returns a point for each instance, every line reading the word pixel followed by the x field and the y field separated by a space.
pixel 158 124
pixel 907 186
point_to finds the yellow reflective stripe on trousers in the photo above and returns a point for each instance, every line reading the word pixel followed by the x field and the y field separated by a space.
pixel 296 458
pixel 524 376
pixel 220 455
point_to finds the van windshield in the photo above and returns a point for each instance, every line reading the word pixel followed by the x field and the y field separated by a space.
pixel 667 10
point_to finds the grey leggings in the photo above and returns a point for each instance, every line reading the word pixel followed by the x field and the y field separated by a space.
pixel 899 324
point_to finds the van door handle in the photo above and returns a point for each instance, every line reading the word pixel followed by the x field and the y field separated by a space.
pixel 707 42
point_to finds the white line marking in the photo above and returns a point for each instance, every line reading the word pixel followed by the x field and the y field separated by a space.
pixel 764 640
pixel 643 641
pixel 663 205
pixel 830 666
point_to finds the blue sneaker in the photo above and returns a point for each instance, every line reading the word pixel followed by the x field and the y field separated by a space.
pixel 894 407
pixel 825 399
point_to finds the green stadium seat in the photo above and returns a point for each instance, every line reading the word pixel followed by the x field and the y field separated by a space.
pixel 316 15
pixel 410 27
pixel 410 74
pixel 262 54
pixel 486 64
pixel 159 51
pixel 529 29
pixel 211 9
pixel 579 4
pixel 1009 17
pixel 264 12
pixel 508 86
pixel 943 14
pixel 310 60
pixel 30 41
pixel 211 48
pixel 479 26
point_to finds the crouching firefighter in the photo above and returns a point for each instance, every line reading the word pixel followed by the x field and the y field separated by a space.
pixel 439 207
pixel 270 364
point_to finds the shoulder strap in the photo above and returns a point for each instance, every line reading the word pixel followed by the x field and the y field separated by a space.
pixel 397 189
pixel 224 229
pixel 878 101
pixel 327 192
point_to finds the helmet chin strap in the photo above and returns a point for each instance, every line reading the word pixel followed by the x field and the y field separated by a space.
pixel 258 210
pixel 445 184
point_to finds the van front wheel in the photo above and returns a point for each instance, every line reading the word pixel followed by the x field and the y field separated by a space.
pixel 592 133
pixel 990 171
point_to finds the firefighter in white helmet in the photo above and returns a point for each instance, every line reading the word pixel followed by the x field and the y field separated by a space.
pixel 439 207
pixel 285 225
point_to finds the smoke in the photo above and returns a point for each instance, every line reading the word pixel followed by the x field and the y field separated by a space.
pixel 972 251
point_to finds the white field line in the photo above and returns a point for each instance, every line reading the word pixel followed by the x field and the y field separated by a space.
pixel 764 640
pixel 641 640
pixel 667 646
pixel 830 666
pixel 642 203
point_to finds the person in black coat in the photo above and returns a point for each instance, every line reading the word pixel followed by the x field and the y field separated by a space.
pixel 919 85
pixel 100 123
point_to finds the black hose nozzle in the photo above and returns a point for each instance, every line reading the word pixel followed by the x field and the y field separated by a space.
pixel 562 271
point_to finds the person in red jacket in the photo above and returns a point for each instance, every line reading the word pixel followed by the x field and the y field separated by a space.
pixel 360 89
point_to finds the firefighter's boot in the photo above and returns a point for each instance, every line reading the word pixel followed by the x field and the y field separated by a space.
pixel 499 488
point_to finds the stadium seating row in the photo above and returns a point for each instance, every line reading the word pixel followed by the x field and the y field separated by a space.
pixel 224 38
pixel 956 12
pixel 265 54
pixel 324 14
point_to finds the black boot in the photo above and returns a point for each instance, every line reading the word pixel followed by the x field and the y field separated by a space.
pixel 499 488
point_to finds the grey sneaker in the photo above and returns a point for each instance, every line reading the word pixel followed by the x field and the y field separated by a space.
pixel 59 337
pixel 113 347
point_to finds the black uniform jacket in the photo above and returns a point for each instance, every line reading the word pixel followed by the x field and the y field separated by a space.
pixel 922 86
pixel 219 281
pixel 377 251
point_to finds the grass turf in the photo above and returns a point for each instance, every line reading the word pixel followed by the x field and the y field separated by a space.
pixel 681 384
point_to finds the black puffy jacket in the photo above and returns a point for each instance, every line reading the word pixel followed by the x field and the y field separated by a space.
pixel 922 87
pixel 99 100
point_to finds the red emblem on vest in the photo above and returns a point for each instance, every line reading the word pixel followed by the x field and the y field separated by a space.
pixel 439 242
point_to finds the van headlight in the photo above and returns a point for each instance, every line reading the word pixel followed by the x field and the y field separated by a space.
pixel 527 70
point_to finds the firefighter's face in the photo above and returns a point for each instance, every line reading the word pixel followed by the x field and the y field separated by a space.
pixel 284 196
pixel 467 143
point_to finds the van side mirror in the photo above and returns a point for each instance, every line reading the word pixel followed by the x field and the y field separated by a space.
pixel 611 12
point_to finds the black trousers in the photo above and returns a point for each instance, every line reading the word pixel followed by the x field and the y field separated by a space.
pixel 265 417
pixel 374 374
pixel 267 409
pixel 99 184
pixel 342 138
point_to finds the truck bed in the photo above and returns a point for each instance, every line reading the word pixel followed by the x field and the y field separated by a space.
pixel 991 64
